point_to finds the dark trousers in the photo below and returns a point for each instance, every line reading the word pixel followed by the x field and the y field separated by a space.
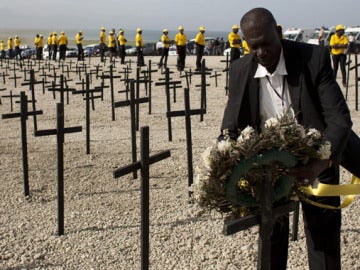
pixel 164 56
pixel 340 59
pixel 80 52
pixel 3 54
pixel 181 50
pixel 62 52
pixel 322 230
pixel 39 51
pixel 102 52
pixel 122 53
pixel 234 54
pixel 18 52
pixel 54 51
pixel 199 55
pixel 140 56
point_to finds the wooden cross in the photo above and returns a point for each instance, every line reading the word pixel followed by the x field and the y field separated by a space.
pixel 357 79
pixel 187 113
pixel 126 80
pixel 62 89
pixel 87 99
pixel 60 132
pixel 14 77
pixel 11 97
pixel 167 84
pixel 134 121
pixel 23 114
pixel 2 89
pixel 148 73
pixel 226 70
pixel 144 166
pixel 215 76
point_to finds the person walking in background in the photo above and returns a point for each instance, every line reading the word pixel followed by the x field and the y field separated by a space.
pixel 17 47
pixel 63 42
pixel 278 76
pixel 122 44
pixel 351 39
pixel 180 41
pixel 39 44
pixel 10 47
pixel 200 45
pixel 78 39
pixel 321 36
pixel 139 43
pixel 54 45
pixel 112 45
pixel 49 44
pixel 2 49
pixel 166 41
pixel 338 45
pixel 102 43
pixel 235 43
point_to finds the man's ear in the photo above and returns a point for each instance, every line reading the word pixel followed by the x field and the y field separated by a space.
pixel 279 31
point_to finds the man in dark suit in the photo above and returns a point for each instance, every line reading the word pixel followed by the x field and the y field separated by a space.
pixel 277 76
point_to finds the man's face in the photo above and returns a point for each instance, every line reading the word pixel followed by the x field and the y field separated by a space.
pixel 264 43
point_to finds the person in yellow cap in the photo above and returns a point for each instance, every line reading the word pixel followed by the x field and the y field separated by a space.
pixel 122 43
pixel 338 45
pixel 200 45
pixel 139 43
pixel 49 44
pixel 180 41
pixel 78 39
pixel 10 47
pixel 2 49
pixel 102 44
pixel 112 45
pixel 54 45
pixel 17 47
pixel 235 43
pixel 39 44
pixel 63 42
pixel 166 41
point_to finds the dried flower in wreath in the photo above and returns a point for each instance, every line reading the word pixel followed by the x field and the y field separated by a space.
pixel 282 136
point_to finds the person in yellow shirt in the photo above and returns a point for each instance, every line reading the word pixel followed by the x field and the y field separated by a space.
pixel 234 42
pixel 338 45
pixel 102 44
pixel 112 45
pixel 63 42
pixel 54 45
pixel 200 45
pixel 122 43
pixel 139 43
pixel 39 44
pixel 180 41
pixel 49 44
pixel 246 49
pixel 2 49
pixel 17 47
pixel 10 47
pixel 166 41
pixel 78 39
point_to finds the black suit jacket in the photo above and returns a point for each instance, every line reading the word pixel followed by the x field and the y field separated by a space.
pixel 316 98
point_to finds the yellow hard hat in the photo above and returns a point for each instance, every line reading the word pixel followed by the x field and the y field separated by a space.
pixel 181 28
pixel 102 28
pixel 54 33
pixel 121 31
pixel 111 32
pixel 80 32
pixel 235 26
pixel 62 33
pixel 138 30
pixel 16 36
pixel 201 28
pixel 41 35
pixel 165 30
pixel 339 27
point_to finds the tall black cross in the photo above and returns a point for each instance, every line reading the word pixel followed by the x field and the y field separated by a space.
pixel 60 132
pixel 144 166
pixel 111 77
pixel 226 70
pixel 23 117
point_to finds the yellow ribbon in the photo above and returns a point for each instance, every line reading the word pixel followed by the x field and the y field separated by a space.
pixel 347 190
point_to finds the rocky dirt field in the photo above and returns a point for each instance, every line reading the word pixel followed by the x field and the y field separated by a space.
pixel 102 214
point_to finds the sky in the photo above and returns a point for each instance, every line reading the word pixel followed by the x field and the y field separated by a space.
pixel 215 15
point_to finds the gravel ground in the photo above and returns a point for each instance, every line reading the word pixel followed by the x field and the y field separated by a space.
pixel 102 214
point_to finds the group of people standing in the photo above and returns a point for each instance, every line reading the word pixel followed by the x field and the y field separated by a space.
pixel 115 42
pixel 13 47
pixel 57 43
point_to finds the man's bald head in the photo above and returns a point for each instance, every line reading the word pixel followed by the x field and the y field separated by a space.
pixel 257 18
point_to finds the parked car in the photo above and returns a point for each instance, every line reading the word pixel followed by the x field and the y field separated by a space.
pixel 130 51
pixel 355 30
pixel 71 52
pixel 191 47
pixel 28 53
pixel 172 50
pixel 314 37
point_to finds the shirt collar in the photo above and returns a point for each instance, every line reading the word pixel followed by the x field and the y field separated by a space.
pixel 280 68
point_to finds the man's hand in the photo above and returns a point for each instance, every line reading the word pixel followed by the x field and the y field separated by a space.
pixel 308 173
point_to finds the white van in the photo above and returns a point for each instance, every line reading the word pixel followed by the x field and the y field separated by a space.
pixel 314 37
pixel 191 45
pixel 355 30
pixel 297 34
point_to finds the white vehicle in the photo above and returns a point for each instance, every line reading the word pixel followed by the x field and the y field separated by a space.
pixel 297 34
pixel 355 30
pixel 172 50
pixel 191 45
pixel 314 37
